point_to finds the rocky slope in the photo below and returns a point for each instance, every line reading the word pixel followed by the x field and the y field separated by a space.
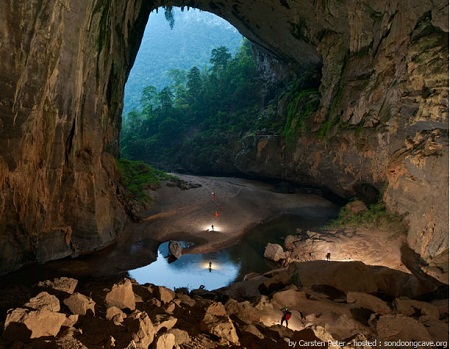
pixel 383 102
pixel 362 307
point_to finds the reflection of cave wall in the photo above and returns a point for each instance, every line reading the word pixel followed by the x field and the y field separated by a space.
pixel 63 65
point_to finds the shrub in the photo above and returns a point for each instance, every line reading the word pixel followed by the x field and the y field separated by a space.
pixel 137 178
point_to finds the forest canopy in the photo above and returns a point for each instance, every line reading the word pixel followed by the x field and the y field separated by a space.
pixel 193 121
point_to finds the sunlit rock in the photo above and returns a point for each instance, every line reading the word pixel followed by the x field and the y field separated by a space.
pixel 22 324
pixel 44 301
pixel 63 284
pixel 141 329
pixel 80 304
pixel 274 252
pixel 121 296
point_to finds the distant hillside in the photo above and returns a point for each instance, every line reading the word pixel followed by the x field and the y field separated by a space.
pixel 190 42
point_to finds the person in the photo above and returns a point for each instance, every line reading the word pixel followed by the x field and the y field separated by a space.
pixel 328 257
pixel 214 196
pixel 216 214
pixel 210 266
pixel 212 227
pixel 286 315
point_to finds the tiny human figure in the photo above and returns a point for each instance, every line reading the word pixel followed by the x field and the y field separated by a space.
pixel 286 315
pixel 210 266
pixel 214 196
pixel 216 214
pixel 212 227
pixel 328 257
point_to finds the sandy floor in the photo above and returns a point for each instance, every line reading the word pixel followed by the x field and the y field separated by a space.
pixel 220 210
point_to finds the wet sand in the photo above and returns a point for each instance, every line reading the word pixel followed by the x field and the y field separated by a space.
pixel 220 211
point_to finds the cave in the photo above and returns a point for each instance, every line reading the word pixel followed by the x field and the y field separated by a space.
pixel 64 66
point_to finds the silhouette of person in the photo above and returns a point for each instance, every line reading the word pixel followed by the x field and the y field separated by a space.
pixel 286 316
pixel 212 227
pixel 328 257
pixel 210 266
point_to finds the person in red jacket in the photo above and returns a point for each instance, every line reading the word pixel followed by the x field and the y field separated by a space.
pixel 286 315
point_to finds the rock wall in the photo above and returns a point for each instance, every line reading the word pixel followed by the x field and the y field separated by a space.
pixel 63 65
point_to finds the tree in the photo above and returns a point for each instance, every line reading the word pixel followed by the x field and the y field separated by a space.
pixel 165 100
pixel 194 84
pixel 219 59
pixel 149 99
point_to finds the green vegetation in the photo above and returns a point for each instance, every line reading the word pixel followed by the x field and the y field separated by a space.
pixel 200 115
pixel 137 177
pixel 377 216
pixel 163 50
pixel 299 111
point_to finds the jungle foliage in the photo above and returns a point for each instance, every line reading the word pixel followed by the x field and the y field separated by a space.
pixel 198 115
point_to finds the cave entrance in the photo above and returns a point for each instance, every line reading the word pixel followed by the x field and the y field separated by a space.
pixel 189 93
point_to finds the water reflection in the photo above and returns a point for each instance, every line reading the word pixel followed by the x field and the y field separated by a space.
pixel 227 265
pixel 190 271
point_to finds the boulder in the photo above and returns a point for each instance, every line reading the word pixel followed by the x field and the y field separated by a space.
pixel 164 294
pixel 181 336
pixel 345 276
pixel 221 327
pixel 121 296
pixel 163 321
pixel 80 304
pixel 216 309
pixel 274 252
pixel 216 322
pixel 175 249
pixel 252 330
pixel 63 284
pixel 23 324
pixel 70 321
pixel 400 327
pixel 422 310
pixel 164 341
pixel 367 301
pixel 290 242
pixel 356 207
pixel 289 297
pixel 140 327
pixel 43 301
pixel 115 315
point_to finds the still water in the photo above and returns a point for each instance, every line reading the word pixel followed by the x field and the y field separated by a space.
pixel 228 265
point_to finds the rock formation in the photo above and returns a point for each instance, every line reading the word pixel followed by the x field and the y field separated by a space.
pixel 340 315
pixel 383 80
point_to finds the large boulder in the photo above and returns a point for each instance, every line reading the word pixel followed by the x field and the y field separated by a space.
pixel 140 328
pixel 44 301
pixel 274 252
pixel 79 304
pixel 63 284
pixel 164 294
pixel 216 322
pixel 367 301
pixel 175 249
pixel 24 324
pixel 345 276
pixel 121 296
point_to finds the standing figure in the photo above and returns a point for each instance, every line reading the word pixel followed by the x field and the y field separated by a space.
pixel 328 257
pixel 286 315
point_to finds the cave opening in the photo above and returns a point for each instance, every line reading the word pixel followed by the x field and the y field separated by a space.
pixel 193 82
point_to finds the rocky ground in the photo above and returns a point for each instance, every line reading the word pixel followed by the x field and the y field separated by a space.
pixel 371 293
pixel 350 305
